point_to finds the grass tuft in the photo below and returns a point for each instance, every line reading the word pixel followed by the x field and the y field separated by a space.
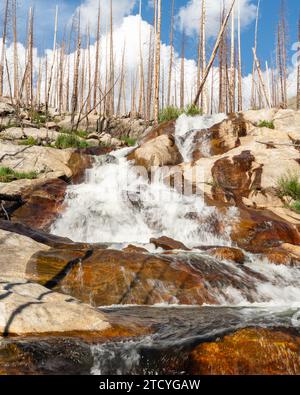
pixel 131 142
pixel 64 141
pixel 7 175
pixel 289 186
pixel 171 113
pixel 29 141
pixel 266 124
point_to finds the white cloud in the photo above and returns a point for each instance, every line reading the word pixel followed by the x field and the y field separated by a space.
pixel 189 15
pixel 89 12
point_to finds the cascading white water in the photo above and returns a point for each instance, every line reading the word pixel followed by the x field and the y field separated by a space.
pixel 186 129
pixel 115 204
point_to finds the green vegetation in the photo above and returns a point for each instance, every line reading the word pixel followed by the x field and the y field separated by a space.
pixel 7 175
pixel 289 186
pixel 169 114
pixel 69 141
pixel 266 124
pixel 172 113
pixel 128 141
pixel 193 110
pixel 29 141
pixel 80 133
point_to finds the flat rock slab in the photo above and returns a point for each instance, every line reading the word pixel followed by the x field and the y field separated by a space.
pixel 27 308
pixel 16 251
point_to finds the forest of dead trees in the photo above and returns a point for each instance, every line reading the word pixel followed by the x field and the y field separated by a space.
pixel 76 79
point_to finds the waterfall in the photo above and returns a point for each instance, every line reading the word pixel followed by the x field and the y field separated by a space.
pixel 186 129
pixel 115 204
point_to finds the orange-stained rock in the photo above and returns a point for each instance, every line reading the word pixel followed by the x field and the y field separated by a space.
pixel 280 256
pixel 132 248
pixel 42 204
pixel 233 178
pixel 228 254
pixel 257 231
pixel 165 128
pixel 166 243
pixel 161 151
pixel 248 352
pixel 109 277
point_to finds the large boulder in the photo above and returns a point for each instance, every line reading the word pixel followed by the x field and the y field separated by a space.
pixel 161 151
pixel 257 116
pixel 248 352
pixel 27 308
pixel 42 204
pixel 288 121
pixel 109 277
pixel 6 108
pixel 40 135
pixel 16 251
pixel 47 162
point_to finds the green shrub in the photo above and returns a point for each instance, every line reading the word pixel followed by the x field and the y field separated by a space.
pixel 29 141
pixel 70 141
pixel 7 175
pixel 266 124
pixel 128 141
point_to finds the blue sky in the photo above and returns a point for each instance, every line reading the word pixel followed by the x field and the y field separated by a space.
pixel 44 11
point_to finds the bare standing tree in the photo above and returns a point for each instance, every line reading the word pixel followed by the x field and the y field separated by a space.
pixel 182 72
pixel 157 64
pixel 97 56
pixel 253 101
pixel 214 53
pixel 4 34
pixel 171 54
pixel 74 101
pixel 240 81
pixel 298 69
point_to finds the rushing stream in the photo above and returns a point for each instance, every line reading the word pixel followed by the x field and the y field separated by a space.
pixel 115 204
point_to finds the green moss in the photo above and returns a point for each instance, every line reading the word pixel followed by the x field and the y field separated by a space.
pixel 266 124
pixel 7 175
pixel 70 141
pixel 128 141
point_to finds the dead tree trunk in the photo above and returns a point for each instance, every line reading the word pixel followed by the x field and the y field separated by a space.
pixel 97 57
pixel 182 72
pixel 157 64
pixel 298 69
pixel 4 33
pixel 214 53
pixel 171 55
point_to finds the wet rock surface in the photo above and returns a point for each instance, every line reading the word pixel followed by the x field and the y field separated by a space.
pixel 249 352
